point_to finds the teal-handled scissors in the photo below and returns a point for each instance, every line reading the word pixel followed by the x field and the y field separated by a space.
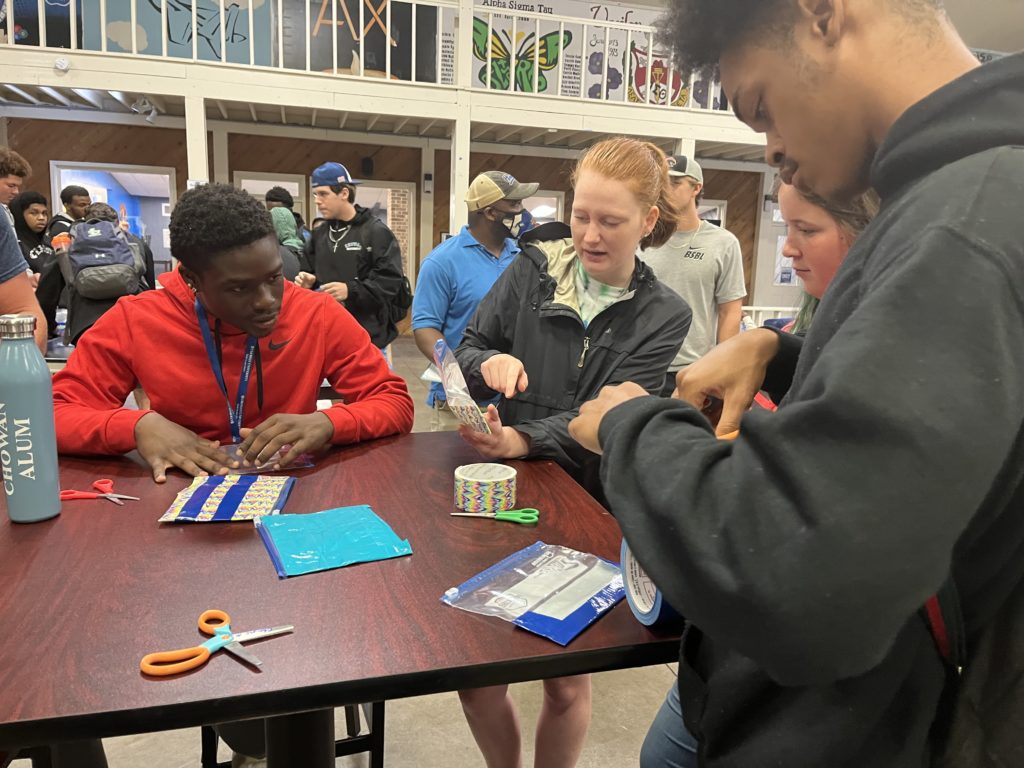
pixel 527 516
pixel 218 624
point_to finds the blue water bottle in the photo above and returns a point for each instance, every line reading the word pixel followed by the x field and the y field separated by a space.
pixel 28 441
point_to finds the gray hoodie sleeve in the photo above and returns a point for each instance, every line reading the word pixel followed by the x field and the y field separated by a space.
pixel 809 542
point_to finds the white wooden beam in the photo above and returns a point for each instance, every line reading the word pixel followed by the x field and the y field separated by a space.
pixel 252 111
pixel 508 133
pixel 426 127
pixel 372 122
pixel 578 141
pixel 122 99
pixel 221 108
pixel 401 124
pixel 195 139
pixel 480 131
pixel 527 136
pixel 159 103
pixel 56 95
pixel 221 173
pixel 555 137
pixel 342 121
pixel 312 119
pixel 23 94
pixel 713 163
pixel 426 208
pixel 90 96
pixel 284 116
pixel 459 174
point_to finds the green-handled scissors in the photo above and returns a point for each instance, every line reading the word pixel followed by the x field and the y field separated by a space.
pixel 527 516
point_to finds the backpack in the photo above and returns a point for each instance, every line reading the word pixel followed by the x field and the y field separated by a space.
pixel 983 705
pixel 101 263
pixel 400 303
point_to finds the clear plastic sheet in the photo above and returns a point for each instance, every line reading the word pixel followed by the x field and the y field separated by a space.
pixel 551 590
pixel 456 390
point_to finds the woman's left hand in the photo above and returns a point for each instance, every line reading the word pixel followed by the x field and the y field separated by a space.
pixel 502 443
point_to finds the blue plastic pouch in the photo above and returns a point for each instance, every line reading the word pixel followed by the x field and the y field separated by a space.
pixel 550 590
pixel 334 538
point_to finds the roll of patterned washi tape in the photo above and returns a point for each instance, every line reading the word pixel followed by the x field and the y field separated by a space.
pixel 485 487
pixel 644 597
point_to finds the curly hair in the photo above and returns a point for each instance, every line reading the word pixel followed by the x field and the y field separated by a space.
pixel 213 218
pixel 699 31
pixel 13 164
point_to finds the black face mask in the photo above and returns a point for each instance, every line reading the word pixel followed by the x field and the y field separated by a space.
pixel 513 222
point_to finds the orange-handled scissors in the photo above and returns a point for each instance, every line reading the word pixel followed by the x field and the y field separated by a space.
pixel 218 624
pixel 104 489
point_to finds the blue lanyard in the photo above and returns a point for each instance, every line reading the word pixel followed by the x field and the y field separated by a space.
pixel 234 414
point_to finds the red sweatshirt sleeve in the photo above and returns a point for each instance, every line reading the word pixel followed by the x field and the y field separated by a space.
pixel 89 393
pixel 377 402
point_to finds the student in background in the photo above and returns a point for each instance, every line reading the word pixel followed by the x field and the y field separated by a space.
pixel 75 200
pixel 459 272
pixel 31 213
pixel 354 258
pixel 703 264
pixel 819 234
pixel 576 311
pixel 14 169
pixel 289 240
pixel 16 294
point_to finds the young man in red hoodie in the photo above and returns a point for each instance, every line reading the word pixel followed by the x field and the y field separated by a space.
pixel 228 352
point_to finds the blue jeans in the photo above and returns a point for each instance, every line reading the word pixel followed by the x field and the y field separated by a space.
pixel 668 744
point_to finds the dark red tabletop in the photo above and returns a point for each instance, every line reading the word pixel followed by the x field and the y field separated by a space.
pixel 84 596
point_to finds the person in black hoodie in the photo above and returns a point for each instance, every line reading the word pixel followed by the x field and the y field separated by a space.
pixel 354 257
pixel 31 213
pixel 802 552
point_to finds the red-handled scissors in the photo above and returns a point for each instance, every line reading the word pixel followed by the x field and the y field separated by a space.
pixel 104 490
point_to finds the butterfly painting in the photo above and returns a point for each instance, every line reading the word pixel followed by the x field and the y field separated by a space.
pixel 547 49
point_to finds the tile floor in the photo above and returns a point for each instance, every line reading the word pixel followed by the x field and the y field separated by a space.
pixel 430 731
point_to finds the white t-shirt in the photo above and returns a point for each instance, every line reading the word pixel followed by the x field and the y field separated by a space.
pixel 705 267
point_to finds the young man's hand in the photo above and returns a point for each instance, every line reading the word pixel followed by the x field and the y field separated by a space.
pixel 337 291
pixel 305 280
pixel 505 374
pixel 732 372
pixel 304 433
pixel 586 427
pixel 502 443
pixel 164 444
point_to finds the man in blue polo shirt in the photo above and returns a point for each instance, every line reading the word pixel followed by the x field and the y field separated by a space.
pixel 460 271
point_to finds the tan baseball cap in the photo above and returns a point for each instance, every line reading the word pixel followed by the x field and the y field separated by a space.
pixel 492 186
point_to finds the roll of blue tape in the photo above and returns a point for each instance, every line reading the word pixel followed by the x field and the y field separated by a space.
pixel 644 597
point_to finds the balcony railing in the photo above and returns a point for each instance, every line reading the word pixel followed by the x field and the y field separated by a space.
pixel 535 54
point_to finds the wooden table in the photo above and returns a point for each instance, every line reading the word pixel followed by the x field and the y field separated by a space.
pixel 84 596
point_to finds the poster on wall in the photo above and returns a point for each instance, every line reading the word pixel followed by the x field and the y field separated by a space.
pixel 784 272
pixel 633 72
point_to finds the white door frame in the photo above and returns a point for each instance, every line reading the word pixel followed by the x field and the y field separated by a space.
pixel 56 166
